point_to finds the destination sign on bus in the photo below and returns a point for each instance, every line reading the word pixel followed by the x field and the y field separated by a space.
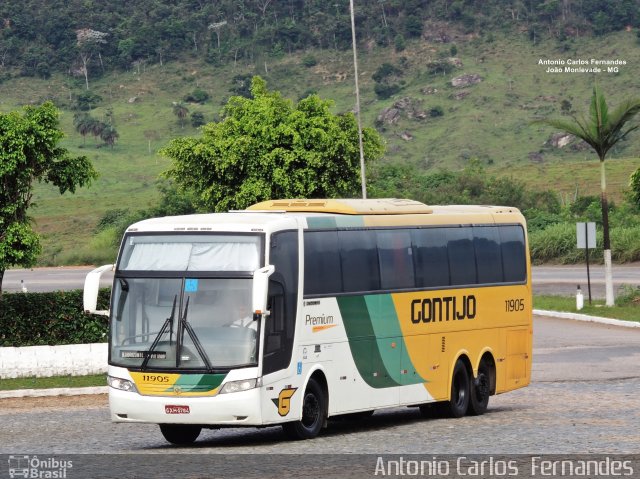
pixel 143 354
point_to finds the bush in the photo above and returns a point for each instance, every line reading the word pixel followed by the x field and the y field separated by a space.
pixel 87 100
pixel 628 295
pixel 385 91
pixel 557 243
pixel 32 319
pixel 197 96
pixel 197 119
pixel 309 61
pixel 385 71
pixel 436 111
pixel 625 244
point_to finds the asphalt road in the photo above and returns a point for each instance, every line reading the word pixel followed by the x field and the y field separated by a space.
pixel 50 279
pixel 546 279
pixel 583 399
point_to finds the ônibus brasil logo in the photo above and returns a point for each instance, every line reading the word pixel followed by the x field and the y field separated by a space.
pixel 34 467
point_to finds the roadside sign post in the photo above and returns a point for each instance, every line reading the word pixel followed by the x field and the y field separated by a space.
pixel 586 235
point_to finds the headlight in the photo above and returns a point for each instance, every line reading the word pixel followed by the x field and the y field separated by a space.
pixel 237 386
pixel 122 384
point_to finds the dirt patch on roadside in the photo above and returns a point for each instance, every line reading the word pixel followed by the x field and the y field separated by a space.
pixel 50 403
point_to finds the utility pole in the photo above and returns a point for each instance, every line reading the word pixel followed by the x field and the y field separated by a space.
pixel 363 176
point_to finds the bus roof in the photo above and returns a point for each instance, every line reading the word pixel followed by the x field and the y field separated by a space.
pixel 278 214
pixel 381 206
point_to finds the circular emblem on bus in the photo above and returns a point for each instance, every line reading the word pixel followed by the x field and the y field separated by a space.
pixel 177 389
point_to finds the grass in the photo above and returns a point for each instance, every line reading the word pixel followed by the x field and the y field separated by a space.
pixel 629 311
pixel 492 123
pixel 53 382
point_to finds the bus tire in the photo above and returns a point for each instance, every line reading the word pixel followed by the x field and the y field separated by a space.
pixel 460 390
pixel 314 414
pixel 180 434
pixel 480 390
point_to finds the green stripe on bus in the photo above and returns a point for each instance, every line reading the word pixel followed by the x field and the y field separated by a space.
pixel 198 382
pixel 363 344
pixel 321 222
pixel 391 345
pixel 332 222
pixel 348 221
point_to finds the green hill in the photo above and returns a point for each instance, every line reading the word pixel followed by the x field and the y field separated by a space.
pixel 431 124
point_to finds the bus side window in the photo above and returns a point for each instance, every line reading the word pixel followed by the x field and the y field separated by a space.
pixel 431 257
pixel 322 268
pixel 462 258
pixel 395 258
pixel 359 261
pixel 514 260
pixel 486 240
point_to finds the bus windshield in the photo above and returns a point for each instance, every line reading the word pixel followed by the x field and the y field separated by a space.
pixel 183 302
pixel 183 323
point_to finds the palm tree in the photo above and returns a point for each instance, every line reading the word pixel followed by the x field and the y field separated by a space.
pixel 181 111
pixel 95 127
pixel 602 130
pixel 109 135
pixel 82 123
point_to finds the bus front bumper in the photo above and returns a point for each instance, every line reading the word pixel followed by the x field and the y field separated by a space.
pixel 239 408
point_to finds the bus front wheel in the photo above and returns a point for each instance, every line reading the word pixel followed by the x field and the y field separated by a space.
pixel 314 414
pixel 180 434
pixel 460 391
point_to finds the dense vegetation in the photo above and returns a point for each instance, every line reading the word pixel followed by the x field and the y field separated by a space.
pixel 32 319
pixel 30 153
pixel 268 147
pixel 88 37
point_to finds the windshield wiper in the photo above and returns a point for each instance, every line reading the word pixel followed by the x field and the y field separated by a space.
pixel 183 326
pixel 167 323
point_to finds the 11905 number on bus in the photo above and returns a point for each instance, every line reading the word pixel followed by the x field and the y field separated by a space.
pixel 513 305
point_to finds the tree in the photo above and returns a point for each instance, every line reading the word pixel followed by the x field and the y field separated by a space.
pixel 82 123
pixel 87 41
pixel 268 147
pixel 602 131
pixel 96 127
pixel 181 111
pixel 30 152
pixel 109 135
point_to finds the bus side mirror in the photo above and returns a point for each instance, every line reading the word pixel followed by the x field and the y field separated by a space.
pixel 260 288
pixel 91 288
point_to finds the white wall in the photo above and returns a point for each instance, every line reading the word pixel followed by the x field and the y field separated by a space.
pixel 45 361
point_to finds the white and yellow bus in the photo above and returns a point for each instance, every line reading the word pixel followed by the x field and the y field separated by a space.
pixel 294 311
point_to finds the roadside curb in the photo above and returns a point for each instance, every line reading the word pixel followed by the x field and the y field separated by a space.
pixel 585 317
pixel 21 393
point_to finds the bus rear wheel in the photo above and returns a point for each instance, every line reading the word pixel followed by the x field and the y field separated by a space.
pixel 460 391
pixel 480 390
pixel 180 434
pixel 314 414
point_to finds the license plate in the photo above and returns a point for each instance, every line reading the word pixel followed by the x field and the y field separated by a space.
pixel 171 409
